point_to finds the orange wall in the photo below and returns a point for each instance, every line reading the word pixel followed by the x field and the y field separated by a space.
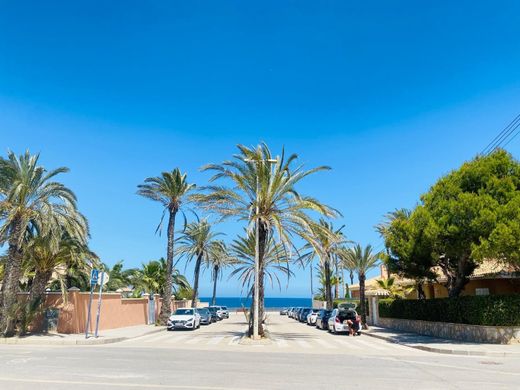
pixel 116 312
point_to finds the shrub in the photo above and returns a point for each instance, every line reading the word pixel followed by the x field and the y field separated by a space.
pixel 492 310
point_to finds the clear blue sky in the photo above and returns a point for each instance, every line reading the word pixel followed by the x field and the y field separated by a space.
pixel 390 94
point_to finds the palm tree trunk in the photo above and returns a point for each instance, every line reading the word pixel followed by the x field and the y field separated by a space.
pixel 196 281
pixel 328 286
pixel 362 310
pixel 262 239
pixel 36 296
pixel 215 277
pixel 166 308
pixel 12 274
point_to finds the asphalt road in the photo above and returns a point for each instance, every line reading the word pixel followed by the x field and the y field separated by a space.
pixel 212 358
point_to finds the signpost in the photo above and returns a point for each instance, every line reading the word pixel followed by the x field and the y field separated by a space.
pixel 94 277
pixel 101 282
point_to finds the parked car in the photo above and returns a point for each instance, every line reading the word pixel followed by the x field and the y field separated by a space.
pixel 303 314
pixel 216 311
pixel 205 316
pixel 322 319
pixel 311 317
pixel 291 311
pixel 184 319
pixel 225 311
pixel 297 312
pixel 338 320
pixel 283 312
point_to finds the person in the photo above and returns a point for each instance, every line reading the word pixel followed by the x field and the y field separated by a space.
pixel 353 322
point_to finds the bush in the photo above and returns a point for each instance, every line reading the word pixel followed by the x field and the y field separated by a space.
pixel 492 310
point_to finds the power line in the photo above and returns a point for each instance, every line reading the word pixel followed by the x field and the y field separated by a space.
pixel 505 139
pixel 502 136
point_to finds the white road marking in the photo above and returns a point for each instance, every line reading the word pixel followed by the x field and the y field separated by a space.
pixel 371 345
pixel 325 344
pixel 176 339
pixel 281 343
pixel 193 340
pixel 303 343
pixel 160 336
pixel 215 340
pixel 348 344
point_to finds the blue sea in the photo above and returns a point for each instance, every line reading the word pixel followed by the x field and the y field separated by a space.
pixel 270 303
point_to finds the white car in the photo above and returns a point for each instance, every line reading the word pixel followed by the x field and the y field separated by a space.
pixel 338 320
pixel 184 319
pixel 311 317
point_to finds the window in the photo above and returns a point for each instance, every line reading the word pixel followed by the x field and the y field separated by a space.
pixel 482 291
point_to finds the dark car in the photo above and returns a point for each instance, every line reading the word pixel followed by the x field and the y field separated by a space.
pixel 303 314
pixel 322 321
pixel 205 316
pixel 214 310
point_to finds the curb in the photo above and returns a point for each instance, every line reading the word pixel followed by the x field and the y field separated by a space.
pixel 444 350
pixel 90 341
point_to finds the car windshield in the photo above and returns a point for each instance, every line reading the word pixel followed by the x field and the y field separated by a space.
pixel 184 312
pixel 203 311
pixel 212 309
pixel 223 307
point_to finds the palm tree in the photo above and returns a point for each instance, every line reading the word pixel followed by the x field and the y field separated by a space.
pixel 264 196
pixel 362 260
pixel 218 262
pixel 324 242
pixel 118 276
pixel 382 229
pixel 275 262
pixel 198 242
pixel 171 190
pixel 394 291
pixel 151 279
pixel 48 260
pixel 29 198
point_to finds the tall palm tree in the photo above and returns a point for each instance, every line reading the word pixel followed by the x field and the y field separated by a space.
pixel 171 190
pixel 262 195
pixel 275 262
pixel 362 260
pixel 198 242
pixel 324 242
pixel 218 262
pixel 29 198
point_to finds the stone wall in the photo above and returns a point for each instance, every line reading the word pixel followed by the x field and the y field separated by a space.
pixel 461 332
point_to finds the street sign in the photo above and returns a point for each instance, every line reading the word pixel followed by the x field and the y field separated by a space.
pixel 94 277
pixel 103 278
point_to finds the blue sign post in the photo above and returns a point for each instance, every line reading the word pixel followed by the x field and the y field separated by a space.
pixel 94 276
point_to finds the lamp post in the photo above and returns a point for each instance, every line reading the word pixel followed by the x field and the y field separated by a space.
pixel 256 298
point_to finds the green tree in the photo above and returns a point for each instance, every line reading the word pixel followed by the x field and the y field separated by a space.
pixel 362 260
pixel 264 195
pixel 394 290
pixel 171 190
pixel 198 242
pixel 469 215
pixel 29 198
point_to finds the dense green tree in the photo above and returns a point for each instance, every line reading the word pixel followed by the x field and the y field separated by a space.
pixel 263 194
pixel 151 279
pixel 171 190
pixel 29 199
pixel 118 276
pixel 469 215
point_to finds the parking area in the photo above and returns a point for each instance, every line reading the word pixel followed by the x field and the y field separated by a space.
pixel 286 335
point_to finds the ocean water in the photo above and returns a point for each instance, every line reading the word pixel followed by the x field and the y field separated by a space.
pixel 270 303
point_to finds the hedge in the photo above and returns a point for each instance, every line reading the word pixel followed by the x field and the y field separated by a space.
pixel 492 310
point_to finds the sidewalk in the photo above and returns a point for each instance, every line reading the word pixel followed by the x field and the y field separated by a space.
pixel 105 337
pixel 433 344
